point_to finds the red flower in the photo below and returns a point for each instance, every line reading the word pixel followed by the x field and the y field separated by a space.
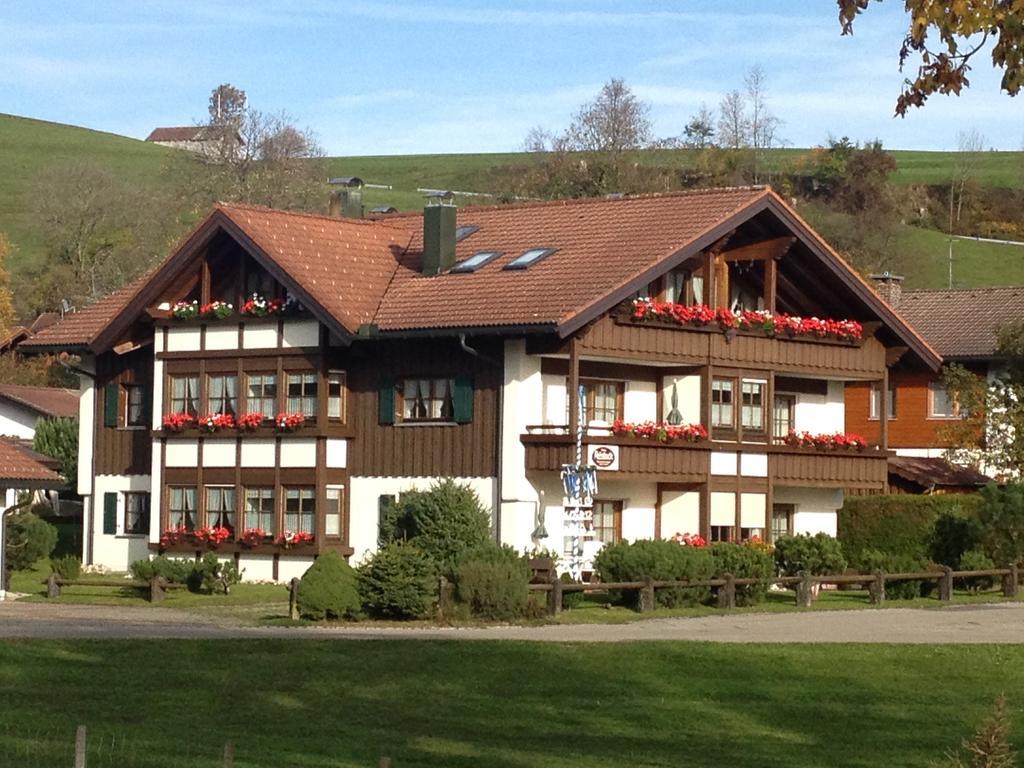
pixel 214 421
pixel 251 421
pixel 253 537
pixel 175 422
pixel 172 536
pixel 289 421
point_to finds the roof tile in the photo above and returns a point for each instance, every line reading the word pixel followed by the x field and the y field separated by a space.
pixel 962 323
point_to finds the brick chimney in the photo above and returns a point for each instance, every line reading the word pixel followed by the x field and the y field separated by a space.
pixel 889 287
pixel 438 236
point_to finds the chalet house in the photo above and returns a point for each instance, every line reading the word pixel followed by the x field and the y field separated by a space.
pixel 193 138
pixel 21 407
pixel 961 325
pixel 354 360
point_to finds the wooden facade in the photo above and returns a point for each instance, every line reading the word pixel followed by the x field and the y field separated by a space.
pixel 121 449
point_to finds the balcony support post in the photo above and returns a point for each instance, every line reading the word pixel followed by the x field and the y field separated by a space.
pixel 574 386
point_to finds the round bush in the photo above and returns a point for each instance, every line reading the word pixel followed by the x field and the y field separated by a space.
pixel 29 539
pixel 662 560
pixel 398 582
pixel 494 583
pixel 819 554
pixel 952 536
pixel 570 599
pixel 872 560
pixel 68 567
pixel 976 560
pixel 176 571
pixel 328 589
pixel 744 562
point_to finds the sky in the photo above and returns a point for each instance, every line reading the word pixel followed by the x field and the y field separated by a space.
pixel 422 76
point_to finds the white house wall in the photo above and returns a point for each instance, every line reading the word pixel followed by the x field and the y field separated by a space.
pixel 821 413
pixel 119 550
pixel 522 405
pixel 86 425
pixel 815 508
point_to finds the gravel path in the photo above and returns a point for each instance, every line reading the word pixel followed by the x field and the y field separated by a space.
pixel 995 623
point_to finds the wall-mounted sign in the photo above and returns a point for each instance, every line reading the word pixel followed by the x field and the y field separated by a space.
pixel 604 457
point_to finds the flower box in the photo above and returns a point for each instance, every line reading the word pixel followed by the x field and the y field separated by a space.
pixel 254 537
pixel 185 310
pixel 260 306
pixel 289 422
pixel 176 422
pixel 216 421
pixel 250 421
pixel 213 536
pixel 172 536
pixel 290 539
pixel 660 431
pixel 216 310
pixel 838 441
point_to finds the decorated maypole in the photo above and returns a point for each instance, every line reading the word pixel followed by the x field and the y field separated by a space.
pixel 579 483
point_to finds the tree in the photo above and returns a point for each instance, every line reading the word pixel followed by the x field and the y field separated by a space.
pixel 733 125
pixel 969 148
pixel 699 132
pixel 615 121
pixel 762 125
pixel 227 106
pixel 57 437
pixel 962 29
pixel 29 539
pixel 1001 516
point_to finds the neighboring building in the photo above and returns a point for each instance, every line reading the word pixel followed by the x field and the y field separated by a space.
pixel 194 138
pixel 22 406
pixel 20 333
pixel 444 345
pixel 962 326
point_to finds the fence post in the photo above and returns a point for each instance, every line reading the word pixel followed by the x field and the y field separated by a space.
pixel 804 592
pixel 293 599
pixel 1010 582
pixel 876 589
pixel 52 586
pixel 80 747
pixel 444 594
pixel 156 589
pixel 727 592
pixel 229 755
pixel 555 595
pixel 946 584
pixel 647 595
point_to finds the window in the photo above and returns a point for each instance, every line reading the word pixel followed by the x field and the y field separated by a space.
pixel 134 409
pixel 477 260
pixel 259 510
pixel 752 406
pixel 876 397
pixel 941 404
pixel 684 287
pixel 784 415
pixel 782 520
pixel 185 395
pixel 529 258
pixel 300 510
pixel 721 403
pixel 428 399
pixel 461 233
pixel 302 394
pixel 261 394
pixel 223 394
pixel 332 514
pixel 336 395
pixel 746 534
pixel 181 507
pixel 136 513
pixel 220 507
pixel 607 522
pixel 721 533
pixel 602 400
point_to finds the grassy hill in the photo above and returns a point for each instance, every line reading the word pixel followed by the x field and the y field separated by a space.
pixel 28 148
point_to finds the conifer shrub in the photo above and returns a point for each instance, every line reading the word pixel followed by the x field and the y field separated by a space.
pixel 328 589
pixel 493 581
pixel 661 560
pixel 67 567
pixel 819 554
pixel 399 582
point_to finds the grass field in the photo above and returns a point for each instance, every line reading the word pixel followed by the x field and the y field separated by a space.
pixel 500 705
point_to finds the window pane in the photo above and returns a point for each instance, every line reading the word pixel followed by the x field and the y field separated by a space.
pixel 721 403
pixel 259 509
pixel 942 403
pixel 220 507
pixel 605 523
pixel 332 515
pixel 335 395
pixel 261 394
pixel 753 405
pixel 182 507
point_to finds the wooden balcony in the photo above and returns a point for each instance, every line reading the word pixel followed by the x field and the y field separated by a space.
pixel 686 462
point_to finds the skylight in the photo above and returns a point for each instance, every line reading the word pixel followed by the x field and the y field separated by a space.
pixel 529 258
pixel 461 233
pixel 477 260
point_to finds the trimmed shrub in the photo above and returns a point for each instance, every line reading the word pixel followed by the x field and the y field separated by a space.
pixel 328 589
pixel 570 599
pixel 398 582
pixel 68 567
pixel 872 560
pixel 819 554
pixel 175 571
pixel 444 523
pixel 952 536
pixel 662 560
pixel 212 574
pixel 493 583
pixel 29 539
pixel 975 560
pixel 1002 520
pixel 901 524
pixel 744 562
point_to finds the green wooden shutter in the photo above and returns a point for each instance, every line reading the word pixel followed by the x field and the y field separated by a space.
pixel 386 403
pixel 109 514
pixel 463 400
pixel 110 403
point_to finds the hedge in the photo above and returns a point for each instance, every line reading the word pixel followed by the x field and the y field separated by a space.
pixel 897 524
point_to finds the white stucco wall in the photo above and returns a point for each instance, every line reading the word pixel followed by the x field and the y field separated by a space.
pixel 16 421
pixel 640 402
pixel 522 404
pixel 821 413
pixel 815 508
pixel 688 395
pixel 119 550
pixel 86 425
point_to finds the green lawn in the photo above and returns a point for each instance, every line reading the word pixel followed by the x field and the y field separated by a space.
pixel 501 705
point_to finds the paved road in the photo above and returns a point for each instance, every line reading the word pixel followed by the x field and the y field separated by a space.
pixel 996 623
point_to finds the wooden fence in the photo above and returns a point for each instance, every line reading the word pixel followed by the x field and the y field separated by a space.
pixel 803 585
pixel 155 588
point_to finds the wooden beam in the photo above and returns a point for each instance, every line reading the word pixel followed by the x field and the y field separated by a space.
pixel 771 275
pixel 574 386
pixel 762 251
pixel 893 355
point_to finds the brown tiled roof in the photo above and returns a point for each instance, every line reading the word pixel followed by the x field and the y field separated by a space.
pixel 601 244
pixel 179 133
pixel 931 472
pixel 47 401
pixel 18 462
pixel 78 329
pixel 962 323
pixel 344 264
